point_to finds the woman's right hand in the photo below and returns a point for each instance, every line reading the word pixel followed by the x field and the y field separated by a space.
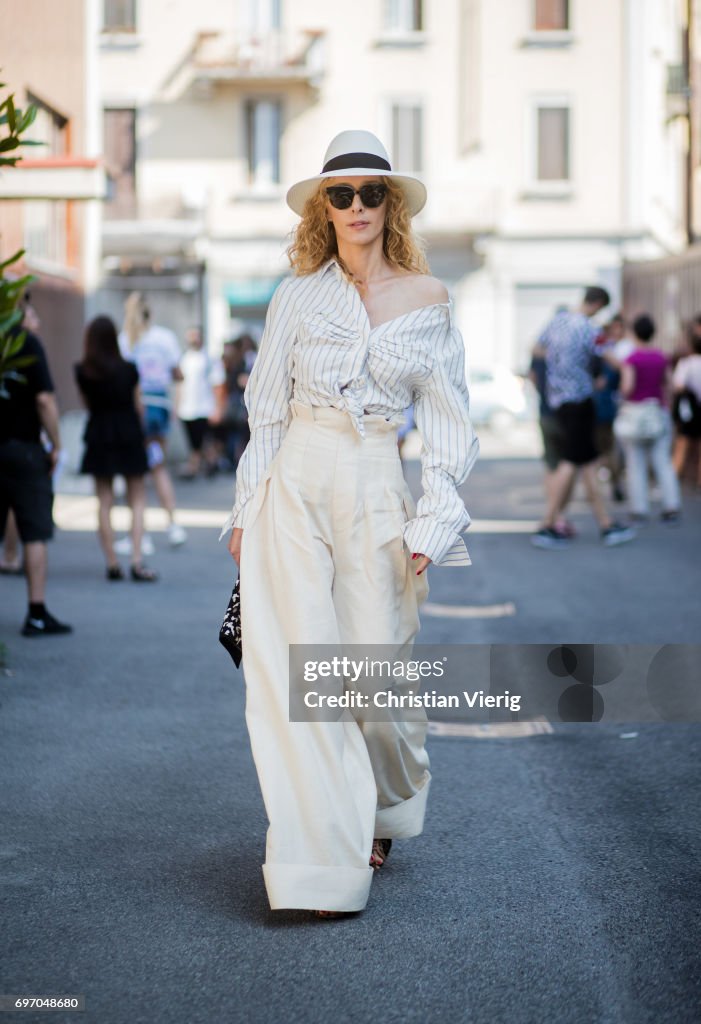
pixel 235 544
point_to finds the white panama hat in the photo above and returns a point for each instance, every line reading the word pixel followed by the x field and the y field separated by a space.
pixel 355 153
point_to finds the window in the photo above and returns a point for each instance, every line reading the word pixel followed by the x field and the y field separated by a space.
pixel 259 16
pixel 45 220
pixel 119 130
pixel 402 16
pixel 45 230
pixel 553 143
pixel 263 143
pixel 407 138
pixel 552 15
pixel 470 76
pixel 119 16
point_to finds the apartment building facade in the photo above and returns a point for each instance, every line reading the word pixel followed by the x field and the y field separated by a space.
pixel 50 203
pixel 542 129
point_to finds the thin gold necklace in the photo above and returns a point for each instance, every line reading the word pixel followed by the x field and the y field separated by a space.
pixel 375 280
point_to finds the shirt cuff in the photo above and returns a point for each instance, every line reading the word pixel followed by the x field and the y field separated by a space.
pixel 236 518
pixel 436 540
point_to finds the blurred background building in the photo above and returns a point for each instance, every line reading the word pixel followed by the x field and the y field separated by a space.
pixel 50 204
pixel 557 140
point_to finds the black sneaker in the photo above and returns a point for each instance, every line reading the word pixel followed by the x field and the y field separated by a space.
pixel 672 517
pixel 617 533
pixel 47 625
pixel 548 538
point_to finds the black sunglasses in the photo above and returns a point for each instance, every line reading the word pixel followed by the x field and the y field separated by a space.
pixel 371 195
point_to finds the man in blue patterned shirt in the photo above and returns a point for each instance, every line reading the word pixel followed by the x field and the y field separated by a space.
pixel 568 345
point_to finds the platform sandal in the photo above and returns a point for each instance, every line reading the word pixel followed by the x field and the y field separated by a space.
pixel 140 574
pixel 380 852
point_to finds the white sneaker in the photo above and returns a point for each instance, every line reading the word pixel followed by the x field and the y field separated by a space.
pixel 177 534
pixel 123 546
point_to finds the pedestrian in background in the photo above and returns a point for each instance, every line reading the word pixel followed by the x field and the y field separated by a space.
pixel 568 345
pixel 607 382
pixel 26 466
pixel 645 382
pixel 330 546
pixel 12 559
pixel 687 405
pixel 12 563
pixel 114 439
pixel 239 357
pixel 197 407
pixel 552 436
pixel 155 351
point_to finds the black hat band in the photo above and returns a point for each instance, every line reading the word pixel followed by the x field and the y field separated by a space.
pixel 348 160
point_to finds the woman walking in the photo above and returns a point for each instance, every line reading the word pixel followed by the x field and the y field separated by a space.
pixel 330 547
pixel 197 404
pixel 114 439
pixel 645 426
pixel 155 352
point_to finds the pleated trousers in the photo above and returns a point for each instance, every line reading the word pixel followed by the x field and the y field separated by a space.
pixel 323 561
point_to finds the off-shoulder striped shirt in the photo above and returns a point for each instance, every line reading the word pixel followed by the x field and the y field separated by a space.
pixel 318 348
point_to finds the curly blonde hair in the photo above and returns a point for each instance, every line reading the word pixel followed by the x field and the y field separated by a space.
pixel 134 317
pixel 314 238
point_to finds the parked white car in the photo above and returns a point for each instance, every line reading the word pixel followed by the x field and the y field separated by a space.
pixel 499 398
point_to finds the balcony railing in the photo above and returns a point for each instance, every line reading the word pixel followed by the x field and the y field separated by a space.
pixel 275 55
pixel 124 205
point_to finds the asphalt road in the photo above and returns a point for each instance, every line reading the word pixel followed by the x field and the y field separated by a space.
pixel 557 878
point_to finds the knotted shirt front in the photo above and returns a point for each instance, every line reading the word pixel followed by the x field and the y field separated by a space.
pixel 318 347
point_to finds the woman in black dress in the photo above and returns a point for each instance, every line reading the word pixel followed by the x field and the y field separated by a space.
pixel 114 438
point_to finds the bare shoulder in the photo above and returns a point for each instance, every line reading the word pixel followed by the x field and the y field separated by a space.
pixel 428 289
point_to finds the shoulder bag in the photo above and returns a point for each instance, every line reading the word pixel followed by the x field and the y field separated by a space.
pixel 643 422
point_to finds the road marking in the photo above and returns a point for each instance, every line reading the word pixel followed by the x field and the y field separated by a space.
pixel 469 611
pixel 491 730
pixel 79 512
pixel 503 526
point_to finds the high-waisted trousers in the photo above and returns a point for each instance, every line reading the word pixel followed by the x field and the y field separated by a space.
pixel 323 561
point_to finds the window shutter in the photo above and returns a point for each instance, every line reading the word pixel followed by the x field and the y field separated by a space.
pixel 119 15
pixel 551 15
pixel 120 161
pixel 553 144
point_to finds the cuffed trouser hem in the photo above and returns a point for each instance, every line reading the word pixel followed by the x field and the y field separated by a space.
pixel 404 820
pixel 316 887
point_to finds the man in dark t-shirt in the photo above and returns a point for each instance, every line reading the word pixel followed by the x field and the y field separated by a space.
pixel 25 475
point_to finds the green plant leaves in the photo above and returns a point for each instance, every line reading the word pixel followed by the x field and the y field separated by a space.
pixel 15 121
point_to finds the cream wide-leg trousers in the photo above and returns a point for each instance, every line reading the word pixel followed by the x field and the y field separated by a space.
pixel 323 561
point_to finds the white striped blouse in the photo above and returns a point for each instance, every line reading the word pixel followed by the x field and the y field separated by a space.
pixel 318 348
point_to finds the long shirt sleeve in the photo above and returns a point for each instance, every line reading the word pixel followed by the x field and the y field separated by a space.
pixel 450 448
pixel 267 398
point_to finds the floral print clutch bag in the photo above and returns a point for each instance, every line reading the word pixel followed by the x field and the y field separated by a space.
pixel 230 631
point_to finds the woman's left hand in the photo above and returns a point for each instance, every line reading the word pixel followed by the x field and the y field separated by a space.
pixel 423 563
pixel 235 541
